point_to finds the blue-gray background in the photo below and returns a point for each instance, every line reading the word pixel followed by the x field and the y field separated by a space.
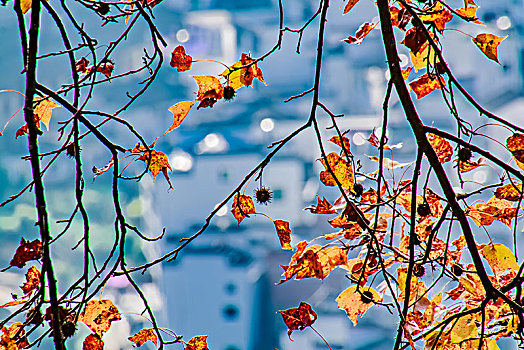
pixel 223 284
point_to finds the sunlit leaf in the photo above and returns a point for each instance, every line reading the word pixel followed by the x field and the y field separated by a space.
pixel 488 44
pixel 93 342
pixel 344 144
pixel 13 337
pixel 242 206
pixel 322 207
pixel 32 282
pixel 469 11
pixel 426 84
pixel 464 328
pixel 180 60
pixel 197 343
pixel 349 5
pixel 27 251
pixel 144 335
pixel 509 192
pixel 238 77
pixel 441 146
pixel 437 14
pixel 341 168
pixel 356 303
pixel 515 144
pixel 157 162
pixel 180 111
pixel 500 258
pixel 494 209
pixel 209 87
pixel 425 55
pixel 43 108
pixel 362 32
pixel 469 165
pixel 298 318
pixel 284 233
pixel 98 315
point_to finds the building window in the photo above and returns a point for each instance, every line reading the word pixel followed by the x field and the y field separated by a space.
pixel 230 312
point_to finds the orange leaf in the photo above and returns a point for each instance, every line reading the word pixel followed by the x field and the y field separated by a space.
pixel 349 6
pixel 423 57
pixel 322 207
pixel 14 302
pixel 361 33
pixel 180 111
pixel 144 335
pixel 406 72
pixel 515 144
pixel 32 278
pixel 13 338
pixel 93 342
pixel 180 60
pixel 425 84
pixel 242 206
pixel 356 304
pixel 238 77
pixel 81 65
pixel 159 162
pixel 27 251
pixel 509 192
pixel 344 144
pixel 488 44
pixel 469 12
pixel 197 343
pixel 441 146
pixel 340 167
pixel 42 107
pixel 469 165
pixel 317 261
pixel 494 209
pixel 98 315
pixel 438 15
pixel 284 233
pixel 298 318
pixel 209 87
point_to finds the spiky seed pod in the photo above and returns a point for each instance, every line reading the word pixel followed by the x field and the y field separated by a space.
pixel 263 195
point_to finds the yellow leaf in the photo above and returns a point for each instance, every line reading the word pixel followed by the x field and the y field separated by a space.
pixel 180 111
pixel 488 43
pixel 341 168
pixel 500 258
pixel 43 108
pixel 356 303
pixel 209 87
pixel 233 76
pixel 25 5
pixel 423 56
pixel 465 328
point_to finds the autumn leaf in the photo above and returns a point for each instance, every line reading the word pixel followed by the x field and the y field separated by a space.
pixel 349 6
pixel 344 144
pixel 426 84
pixel 105 67
pixel 209 90
pixel 322 207
pixel 27 251
pixel 242 206
pixel 488 44
pixel 284 233
pixel 13 338
pixel 469 11
pixel 356 303
pixel 415 39
pixel 494 209
pixel 144 335
pixel 43 108
pixel 98 315
pixel 362 32
pixel 180 60
pixel 469 165
pixel 441 146
pixel 406 72
pixel 238 77
pixel 197 343
pixel 316 261
pixel 438 15
pixel 340 167
pixel 93 342
pixel 81 65
pixel 417 288
pixel 464 328
pixel 500 258
pixel 426 55
pixel 157 162
pixel 180 111
pixel 298 318
pixel 509 192
pixel 32 278
pixel 515 144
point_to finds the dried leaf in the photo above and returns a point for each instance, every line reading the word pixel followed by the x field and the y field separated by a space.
pixel 426 55
pixel 322 207
pixel 316 261
pixel 515 144
pixel 197 343
pixel 209 87
pixel 425 84
pixel 180 60
pixel 238 77
pixel 180 111
pixel 93 342
pixel 509 192
pixel 32 278
pixel 362 32
pixel 356 303
pixel 500 258
pixel 438 15
pixel 144 335
pixel 159 162
pixel 27 251
pixel 298 318
pixel 494 209
pixel 13 338
pixel 415 39
pixel 242 206
pixel 464 328
pixel 441 146
pixel 349 6
pixel 469 165
pixel 105 67
pixel 488 44
pixel 81 65
pixel 98 315
pixel 388 163
pixel 341 168
pixel 406 72
pixel 14 302
pixel 344 144
pixel 469 12
pixel 284 233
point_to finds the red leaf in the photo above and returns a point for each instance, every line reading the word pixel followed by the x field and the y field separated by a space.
pixel 197 343
pixel 298 318
pixel 180 60
pixel 27 251
pixel 93 342
pixel 242 206
pixel 284 233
